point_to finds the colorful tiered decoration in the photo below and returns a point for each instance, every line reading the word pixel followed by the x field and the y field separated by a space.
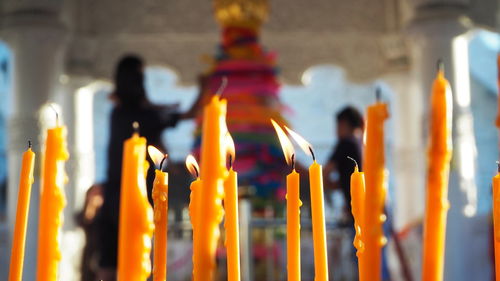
pixel 251 92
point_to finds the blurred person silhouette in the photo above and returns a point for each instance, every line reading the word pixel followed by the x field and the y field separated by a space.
pixel 338 170
pixel 130 105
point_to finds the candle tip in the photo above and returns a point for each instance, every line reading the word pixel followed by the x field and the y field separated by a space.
pixel 29 144
pixel 222 86
pixel 440 65
pixel 135 126
pixel 163 161
pixel 498 166
pixel 293 161
pixel 55 111
pixel 312 153
pixel 378 94
pixel 354 160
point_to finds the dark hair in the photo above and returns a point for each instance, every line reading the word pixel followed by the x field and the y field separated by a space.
pixel 129 82
pixel 352 116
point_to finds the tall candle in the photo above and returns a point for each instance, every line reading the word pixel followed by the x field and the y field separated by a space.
pixel 160 210
pixel 357 208
pixel 317 208
pixel 293 204
pixel 439 154
pixel 136 215
pixel 212 172
pixel 23 204
pixel 194 200
pixel 375 189
pixel 496 221
pixel 52 202
pixel 231 220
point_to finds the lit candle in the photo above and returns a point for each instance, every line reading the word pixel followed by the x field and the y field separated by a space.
pixel 212 174
pixel 136 215
pixel 293 204
pixel 496 221
pixel 375 188
pixel 357 208
pixel 317 208
pixel 160 210
pixel 194 198
pixel 231 220
pixel 439 153
pixel 52 202
pixel 23 207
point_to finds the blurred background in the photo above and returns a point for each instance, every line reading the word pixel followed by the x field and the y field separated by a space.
pixel 320 56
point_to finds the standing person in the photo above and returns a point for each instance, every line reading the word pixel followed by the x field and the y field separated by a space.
pixel 130 105
pixel 338 170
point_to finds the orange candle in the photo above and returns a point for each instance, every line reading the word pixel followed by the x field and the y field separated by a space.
pixel 23 208
pixel 52 202
pixel 496 221
pixel 160 200
pixel 231 223
pixel 357 208
pixel 437 205
pixel 136 215
pixel 318 210
pixel 206 234
pixel 375 189
pixel 194 198
pixel 293 204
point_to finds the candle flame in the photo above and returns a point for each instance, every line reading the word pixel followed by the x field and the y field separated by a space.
pixel 230 149
pixel 156 155
pixel 304 145
pixel 192 166
pixel 285 142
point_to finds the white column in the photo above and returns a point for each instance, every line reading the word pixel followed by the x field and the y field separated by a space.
pixel 37 42
pixel 439 31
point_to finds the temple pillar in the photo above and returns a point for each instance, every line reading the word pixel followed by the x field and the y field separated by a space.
pixel 439 31
pixel 37 39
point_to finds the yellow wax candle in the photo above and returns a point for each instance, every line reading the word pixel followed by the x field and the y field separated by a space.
pixel 357 207
pixel 231 221
pixel 212 171
pixel 496 222
pixel 194 198
pixel 136 215
pixel 318 210
pixel 23 207
pixel 375 189
pixel 52 202
pixel 160 200
pixel 293 204
pixel 437 180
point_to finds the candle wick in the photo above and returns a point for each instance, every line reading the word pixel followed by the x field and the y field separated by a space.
pixel 135 126
pixel 163 161
pixel 312 153
pixel 196 171
pixel 440 65
pixel 29 144
pixel 354 160
pixel 498 166
pixel 378 94
pixel 293 161
pixel 222 86
pixel 55 111
pixel 230 161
